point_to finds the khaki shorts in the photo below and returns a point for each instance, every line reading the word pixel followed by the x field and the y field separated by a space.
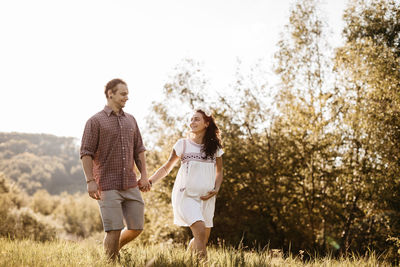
pixel 119 206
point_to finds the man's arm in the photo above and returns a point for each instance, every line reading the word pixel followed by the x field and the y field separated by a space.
pixel 92 187
pixel 140 161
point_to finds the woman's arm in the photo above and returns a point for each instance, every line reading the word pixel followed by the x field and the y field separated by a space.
pixel 219 174
pixel 165 169
pixel 218 180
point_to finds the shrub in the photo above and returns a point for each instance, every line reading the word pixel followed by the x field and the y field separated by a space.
pixel 28 224
pixel 44 203
pixel 19 221
pixel 78 214
pixel 159 226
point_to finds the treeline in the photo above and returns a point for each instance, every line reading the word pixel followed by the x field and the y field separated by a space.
pixel 42 161
pixel 312 163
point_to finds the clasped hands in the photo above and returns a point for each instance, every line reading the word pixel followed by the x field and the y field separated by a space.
pixel 144 184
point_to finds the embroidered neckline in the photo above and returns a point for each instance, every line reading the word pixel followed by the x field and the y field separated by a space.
pixel 196 157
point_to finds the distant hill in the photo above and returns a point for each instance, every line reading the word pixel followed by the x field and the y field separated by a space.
pixel 42 161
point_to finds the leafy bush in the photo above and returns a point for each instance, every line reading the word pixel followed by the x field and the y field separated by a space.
pixel 78 214
pixel 44 203
pixel 28 224
pixel 19 221
pixel 159 226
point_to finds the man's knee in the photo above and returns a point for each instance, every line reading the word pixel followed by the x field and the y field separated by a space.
pixel 113 234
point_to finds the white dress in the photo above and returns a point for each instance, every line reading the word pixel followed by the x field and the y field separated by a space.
pixel 195 178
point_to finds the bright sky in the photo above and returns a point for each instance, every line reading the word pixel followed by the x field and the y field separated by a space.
pixel 56 56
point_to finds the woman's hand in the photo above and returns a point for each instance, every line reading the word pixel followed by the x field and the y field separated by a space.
pixel 209 195
pixel 144 185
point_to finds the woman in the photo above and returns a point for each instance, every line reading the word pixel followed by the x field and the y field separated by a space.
pixel 199 178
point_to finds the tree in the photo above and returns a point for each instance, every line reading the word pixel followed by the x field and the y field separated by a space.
pixel 369 78
pixel 305 126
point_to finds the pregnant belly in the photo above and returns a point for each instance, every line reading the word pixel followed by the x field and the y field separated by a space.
pixel 199 180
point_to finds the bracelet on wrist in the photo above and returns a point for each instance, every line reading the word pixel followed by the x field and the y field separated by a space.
pixel 88 181
pixel 165 171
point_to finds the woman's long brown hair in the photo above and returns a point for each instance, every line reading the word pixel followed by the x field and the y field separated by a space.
pixel 211 140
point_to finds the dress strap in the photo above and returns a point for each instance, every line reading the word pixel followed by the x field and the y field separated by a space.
pixel 184 147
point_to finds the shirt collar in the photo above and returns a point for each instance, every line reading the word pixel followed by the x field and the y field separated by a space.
pixel 109 111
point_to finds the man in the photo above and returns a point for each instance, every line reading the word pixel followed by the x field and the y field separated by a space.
pixel 111 145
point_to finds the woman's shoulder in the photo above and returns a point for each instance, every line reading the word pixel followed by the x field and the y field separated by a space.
pixel 180 140
pixel 219 152
pixel 179 146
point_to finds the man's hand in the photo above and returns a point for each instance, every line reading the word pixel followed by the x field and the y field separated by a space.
pixel 93 190
pixel 144 185
pixel 209 195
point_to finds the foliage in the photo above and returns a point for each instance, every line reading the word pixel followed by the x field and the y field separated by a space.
pixel 19 221
pixel 304 130
pixel 42 202
pixel 46 217
pixel 159 227
pixel 78 214
pixel 368 76
pixel 27 224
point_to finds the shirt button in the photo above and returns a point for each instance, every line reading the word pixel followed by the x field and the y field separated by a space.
pixel 123 147
pixel 122 137
pixel 124 169
pixel 123 158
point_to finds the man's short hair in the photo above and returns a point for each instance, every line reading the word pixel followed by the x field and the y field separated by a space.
pixel 111 85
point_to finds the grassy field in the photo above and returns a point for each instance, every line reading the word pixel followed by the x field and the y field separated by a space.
pixel 89 253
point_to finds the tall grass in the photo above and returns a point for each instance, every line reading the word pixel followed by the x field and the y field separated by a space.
pixel 90 253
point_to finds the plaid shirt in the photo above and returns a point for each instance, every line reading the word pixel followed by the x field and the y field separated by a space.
pixel 113 141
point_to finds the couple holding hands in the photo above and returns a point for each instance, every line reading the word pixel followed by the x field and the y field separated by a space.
pixel 112 145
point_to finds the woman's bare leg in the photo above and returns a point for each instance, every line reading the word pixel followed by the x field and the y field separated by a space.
pixel 199 238
pixel 127 236
pixel 208 232
pixel 190 246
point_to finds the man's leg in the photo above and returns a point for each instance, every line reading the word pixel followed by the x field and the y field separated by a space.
pixel 111 215
pixel 127 236
pixel 133 210
pixel 111 243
